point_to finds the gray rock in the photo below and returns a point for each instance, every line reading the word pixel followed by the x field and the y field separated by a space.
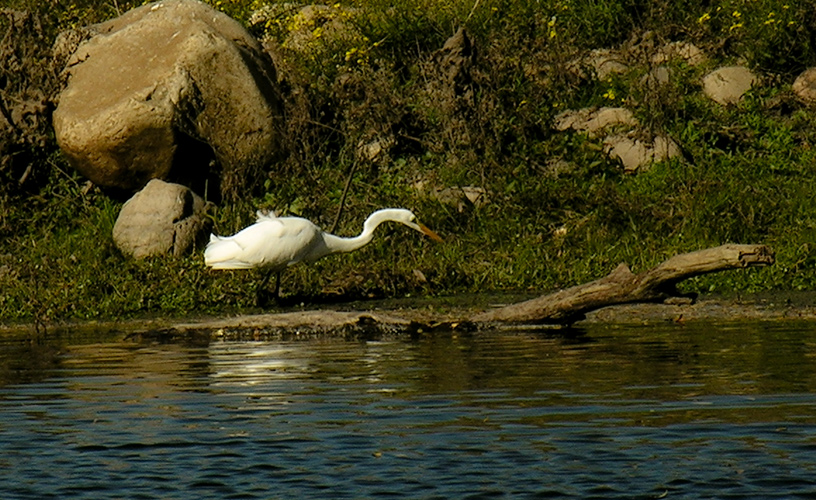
pixel 661 75
pixel 684 51
pixel 159 73
pixel 636 155
pixel 619 129
pixel 162 218
pixel 727 85
pixel 456 196
pixel 455 60
pixel 805 86
pixel 606 62
pixel 594 121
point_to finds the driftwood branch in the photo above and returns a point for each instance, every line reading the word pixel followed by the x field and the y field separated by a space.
pixel 622 286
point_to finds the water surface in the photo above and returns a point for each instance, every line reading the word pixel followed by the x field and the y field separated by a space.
pixel 672 411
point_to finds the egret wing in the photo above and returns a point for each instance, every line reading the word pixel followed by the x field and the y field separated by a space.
pixel 243 250
pixel 295 242
pixel 272 243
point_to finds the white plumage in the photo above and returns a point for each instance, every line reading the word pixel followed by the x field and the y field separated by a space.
pixel 271 243
pixel 275 243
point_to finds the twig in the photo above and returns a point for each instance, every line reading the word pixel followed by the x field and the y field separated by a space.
pixel 472 10
pixel 343 197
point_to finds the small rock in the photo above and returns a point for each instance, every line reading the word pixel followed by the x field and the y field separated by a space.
pixel 449 82
pixel 606 62
pixel 457 196
pixel 805 86
pixel 455 59
pixel 661 75
pixel 636 155
pixel 162 218
pixel 462 196
pixel 593 121
pixel 727 85
pixel 684 51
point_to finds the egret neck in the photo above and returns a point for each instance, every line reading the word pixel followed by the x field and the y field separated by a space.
pixel 335 244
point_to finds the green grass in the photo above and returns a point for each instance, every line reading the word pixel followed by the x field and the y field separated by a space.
pixel 747 174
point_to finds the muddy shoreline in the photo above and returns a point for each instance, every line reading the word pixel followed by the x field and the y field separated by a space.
pixel 417 317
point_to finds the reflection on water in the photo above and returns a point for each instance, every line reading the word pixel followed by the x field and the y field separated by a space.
pixel 714 411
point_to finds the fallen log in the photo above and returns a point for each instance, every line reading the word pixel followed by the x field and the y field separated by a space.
pixel 621 286
pixel 563 307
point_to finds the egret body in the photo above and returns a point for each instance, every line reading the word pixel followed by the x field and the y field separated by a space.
pixel 275 243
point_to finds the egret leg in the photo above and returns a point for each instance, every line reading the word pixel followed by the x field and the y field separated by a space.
pixel 260 294
pixel 277 286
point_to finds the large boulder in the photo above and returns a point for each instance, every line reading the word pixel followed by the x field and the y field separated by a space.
pixel 163 218
pixel 150 90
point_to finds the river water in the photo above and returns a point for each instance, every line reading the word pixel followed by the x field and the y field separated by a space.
pixel 667 411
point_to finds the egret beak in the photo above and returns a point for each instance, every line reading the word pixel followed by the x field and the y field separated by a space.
pixel 430 234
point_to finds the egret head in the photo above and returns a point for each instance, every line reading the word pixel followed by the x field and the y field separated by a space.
pixel 408 218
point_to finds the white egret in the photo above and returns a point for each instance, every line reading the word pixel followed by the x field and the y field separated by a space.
pixel 274 243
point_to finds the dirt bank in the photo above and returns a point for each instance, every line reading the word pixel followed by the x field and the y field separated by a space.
pixel 783 306
pixel 416 317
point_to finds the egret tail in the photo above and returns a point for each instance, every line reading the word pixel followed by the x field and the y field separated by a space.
pixel 223 253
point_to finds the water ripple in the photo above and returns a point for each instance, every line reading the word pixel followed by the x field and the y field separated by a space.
pixel 676 411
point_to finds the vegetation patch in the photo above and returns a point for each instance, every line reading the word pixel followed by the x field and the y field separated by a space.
pixel 389 105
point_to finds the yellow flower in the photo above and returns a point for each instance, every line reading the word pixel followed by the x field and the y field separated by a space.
pixel 551 26
pixel 736 14
pixel 705 17
pixel 735 27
